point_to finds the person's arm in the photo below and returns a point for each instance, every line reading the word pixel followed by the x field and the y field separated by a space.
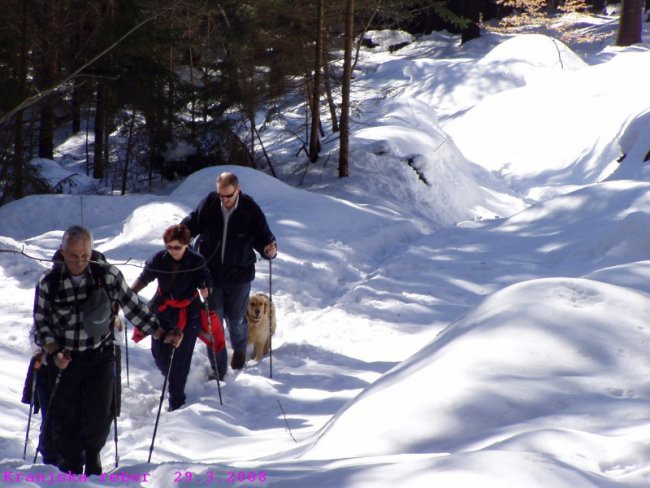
pixel 263 239
pixel 43 333
pixel 193 220
pixel 203 276
pixel 138 285
pixel 148 273
pixel 135 311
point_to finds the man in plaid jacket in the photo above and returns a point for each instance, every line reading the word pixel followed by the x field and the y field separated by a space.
pixel 73 317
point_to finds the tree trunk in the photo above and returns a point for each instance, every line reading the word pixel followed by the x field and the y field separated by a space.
pixel 18 157
pixel 46 119
pixel 357 49
pixel 597 6
pixel 330 98
pixel 100 117
pixel 314 140
pixel 76 107
pixel 347 80
pixel 45 70
pixel 109 123
pixel 6 164
pixel 158 135
pixel 19 135
pixel 472 12
pixel 87 138
pixel 46 130
pixel 192 83
pixel 630 23
pixel 251 120
pixel 129 147
pixel 107 130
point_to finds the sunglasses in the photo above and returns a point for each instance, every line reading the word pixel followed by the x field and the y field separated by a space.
pixel 173 248
pixel 226 197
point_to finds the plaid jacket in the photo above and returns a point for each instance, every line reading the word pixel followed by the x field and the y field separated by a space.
pixel 57 318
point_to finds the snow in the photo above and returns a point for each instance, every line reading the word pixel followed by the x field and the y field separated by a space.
pixel 468 308
pixel 63 180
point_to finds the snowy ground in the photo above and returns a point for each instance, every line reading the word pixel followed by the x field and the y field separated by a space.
pixel 421 341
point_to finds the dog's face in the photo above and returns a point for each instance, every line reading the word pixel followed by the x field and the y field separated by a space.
pixel 258 307
pixel 261 324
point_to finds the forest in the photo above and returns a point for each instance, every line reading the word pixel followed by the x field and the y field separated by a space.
pixel 204 74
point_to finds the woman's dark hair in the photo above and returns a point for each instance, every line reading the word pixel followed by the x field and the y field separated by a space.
pixel 178 232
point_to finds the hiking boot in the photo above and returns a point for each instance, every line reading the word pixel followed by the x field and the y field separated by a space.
pixel 174 406
pixel 66 466
pixel 93 463
pixel 238 359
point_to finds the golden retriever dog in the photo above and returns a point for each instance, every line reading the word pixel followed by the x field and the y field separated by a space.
pixel 259 312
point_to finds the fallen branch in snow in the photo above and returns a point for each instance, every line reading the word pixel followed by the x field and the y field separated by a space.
pixel 284 416
pixel 411 163
pixel 59 186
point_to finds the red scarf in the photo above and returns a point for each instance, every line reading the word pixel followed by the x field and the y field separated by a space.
pixel 181 305
pixel 218 339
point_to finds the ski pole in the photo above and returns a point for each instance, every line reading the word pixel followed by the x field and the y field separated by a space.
pixel 115 380
pixel 213 359
pixel 162 397
pixel 31 408
pixel 126 351
pixel 271 320
pixel 46 420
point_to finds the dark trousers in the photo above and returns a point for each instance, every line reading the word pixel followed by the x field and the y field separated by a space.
pixel 230 303
pixel 81 406
pixel 182 361
pixel 43 393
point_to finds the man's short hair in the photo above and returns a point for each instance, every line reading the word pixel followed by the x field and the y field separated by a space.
pixel 227 179
pixel 74 233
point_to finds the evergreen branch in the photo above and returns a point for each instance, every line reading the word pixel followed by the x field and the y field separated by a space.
pixel 42 94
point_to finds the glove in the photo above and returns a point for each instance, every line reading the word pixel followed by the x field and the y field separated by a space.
pixel 62 358
pixel 174 337
pixel 271 250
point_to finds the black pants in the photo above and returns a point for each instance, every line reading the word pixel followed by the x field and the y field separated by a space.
pixel 182 360
pixel 43 393
pixel 81 405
